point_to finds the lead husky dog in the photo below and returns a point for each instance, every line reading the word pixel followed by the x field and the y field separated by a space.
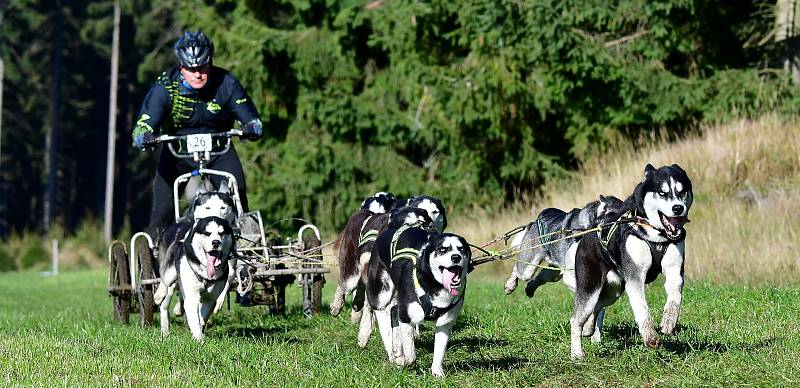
pixel 206 203
pixel 626 256
pixel 354 245
pixel 414 275
pixel 197 260
pixel 549 227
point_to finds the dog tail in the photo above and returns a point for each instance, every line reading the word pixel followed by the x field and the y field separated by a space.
pixel 347 243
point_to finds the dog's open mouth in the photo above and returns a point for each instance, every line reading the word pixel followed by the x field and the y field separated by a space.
pixel 451 279
pixel 673 226
pixel 212 262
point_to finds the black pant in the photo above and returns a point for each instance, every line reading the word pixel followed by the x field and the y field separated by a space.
pixel 170 167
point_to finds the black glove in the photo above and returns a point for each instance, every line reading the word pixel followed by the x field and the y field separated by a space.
pixel 253 130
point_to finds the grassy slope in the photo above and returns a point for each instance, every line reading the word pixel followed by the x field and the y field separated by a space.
pixel 746 179
pixel 57 330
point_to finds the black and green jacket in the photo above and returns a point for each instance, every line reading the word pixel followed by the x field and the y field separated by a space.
pixel 171 107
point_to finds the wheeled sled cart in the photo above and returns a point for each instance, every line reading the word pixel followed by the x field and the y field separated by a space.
pixel 263 270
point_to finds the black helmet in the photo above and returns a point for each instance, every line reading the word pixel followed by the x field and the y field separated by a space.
pixel 194 49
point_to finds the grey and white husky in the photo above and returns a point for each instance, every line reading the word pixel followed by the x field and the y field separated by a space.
pixel 551 225
pixel 625 257
pixel 196 261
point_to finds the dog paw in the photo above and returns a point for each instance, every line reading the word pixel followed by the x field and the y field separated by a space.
pixel 400 362
pixel 667 328
pixel 437 372
pixel 653 342
pixel 670 319
pixel 595 338
pixel 530 289
pixel 336 304
pixel 577 355
pixel 362 341
pixel 355 316
pixel 510 286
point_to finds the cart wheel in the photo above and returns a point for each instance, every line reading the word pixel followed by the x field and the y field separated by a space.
pixel 119 279
pixel 316 293
pixel 145 292
pixel 312 283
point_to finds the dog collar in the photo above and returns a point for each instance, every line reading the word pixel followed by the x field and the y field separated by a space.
pixel 432 312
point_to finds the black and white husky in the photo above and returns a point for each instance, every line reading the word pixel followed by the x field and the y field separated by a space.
pixel 626 256
pixel 414 275
pixel 217 203
pixel 549 228
pixel 381 202
pixel 196 260
pixel 212 203
pixel 354 244
pixel 433 206
pixel 355 248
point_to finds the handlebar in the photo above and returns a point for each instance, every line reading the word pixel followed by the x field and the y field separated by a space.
pixel 196 146
pixel 166 138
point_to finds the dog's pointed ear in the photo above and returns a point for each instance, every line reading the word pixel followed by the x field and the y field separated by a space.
pixel 603 198
pixel 649 169
pixel 201 188
pixel 677 167
pixel 469 248
pixel 223 187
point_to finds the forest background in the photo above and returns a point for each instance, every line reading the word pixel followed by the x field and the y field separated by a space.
pixel 480 103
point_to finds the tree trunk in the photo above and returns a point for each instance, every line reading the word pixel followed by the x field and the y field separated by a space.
pixel 786 31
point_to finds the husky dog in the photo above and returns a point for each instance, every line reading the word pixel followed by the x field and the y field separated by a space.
pixel 414 275
pixel 197 260
pixel 218 203
pixel 381 202
pixel 213 203
pixel 551 225
pixel 626 256
pixel 355 247
pixel 434 208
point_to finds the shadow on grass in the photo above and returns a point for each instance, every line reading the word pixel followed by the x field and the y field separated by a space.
pixel 626 335
pixel 504 363
pixel 259 324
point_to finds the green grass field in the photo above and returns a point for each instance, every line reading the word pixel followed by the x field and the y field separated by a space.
pixel 58 330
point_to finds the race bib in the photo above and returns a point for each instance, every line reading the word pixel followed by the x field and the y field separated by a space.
pixel 198 143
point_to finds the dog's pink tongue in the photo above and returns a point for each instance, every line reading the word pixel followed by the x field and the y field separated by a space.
pixel 447 281
pixel 679 221
pixel 211 266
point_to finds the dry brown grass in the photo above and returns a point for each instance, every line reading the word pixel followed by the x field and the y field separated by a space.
pixel 747 197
